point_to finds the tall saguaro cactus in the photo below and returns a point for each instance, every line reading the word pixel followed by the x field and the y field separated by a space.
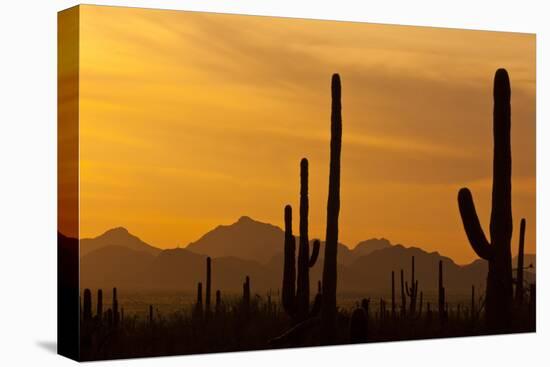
pixel 289 271
pixel 519 277
pixel 302 291
pixel 328 309
pixel 497 252
pixel 296 300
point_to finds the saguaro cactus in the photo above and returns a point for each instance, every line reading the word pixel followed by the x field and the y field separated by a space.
pixel 412 291
pixel 116 314
pixel 289 270
pixel 218 302
pixel 99 310
pixel 328 309
pixel 208 283
pixel 246 294
pixel 297 304
pixel 441 295
pixel 87 306
pixel 519 277
pixel 302 291
pixel 473 304
pixel 393 294
pixel 403 296
pixel 497 252
pixel 358 326
pixel 198 304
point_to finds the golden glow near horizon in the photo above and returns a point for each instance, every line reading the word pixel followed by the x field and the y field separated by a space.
pixel 190 120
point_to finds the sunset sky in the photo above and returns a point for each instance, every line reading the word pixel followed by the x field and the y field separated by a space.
pixel 191 120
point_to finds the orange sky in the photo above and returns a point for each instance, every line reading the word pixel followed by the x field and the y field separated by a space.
pixel 190 120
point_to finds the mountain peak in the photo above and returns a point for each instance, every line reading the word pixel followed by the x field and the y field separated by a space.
pixel 245 219
pixel 117 236
pixel 117 230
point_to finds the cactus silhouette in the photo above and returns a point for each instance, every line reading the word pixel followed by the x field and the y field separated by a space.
pixel 497 252
pixel 87 306
pixel 328 309
pixel 99 310
pixel 358 326
pixel 473 304
pixel 403 296
pixel 519 276
pixel 393 294
pixel 365 303
pixel 208 284
pixel 110 318
pixel 302 289
pixel 246 294
pixel 116 314
pixel 198 303
pixel 420 304
pixel 289 270
pixel 297 304
pixel 151 317
pixel 441 295
pixel 218 306
pixel 412 291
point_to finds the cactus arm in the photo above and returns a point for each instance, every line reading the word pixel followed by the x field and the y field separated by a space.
pixel 314 253
pixel 407 289
pixel 472 227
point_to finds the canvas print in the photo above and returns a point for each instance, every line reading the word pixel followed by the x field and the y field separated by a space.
pixel 234 183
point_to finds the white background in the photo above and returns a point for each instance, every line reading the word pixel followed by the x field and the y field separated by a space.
pixel 28 182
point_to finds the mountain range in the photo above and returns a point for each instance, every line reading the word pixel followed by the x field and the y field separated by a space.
pixel 252 248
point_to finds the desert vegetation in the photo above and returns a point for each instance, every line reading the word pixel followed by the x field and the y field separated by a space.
pixel 294 316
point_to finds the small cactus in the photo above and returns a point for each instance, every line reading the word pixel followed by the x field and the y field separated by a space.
pixel 218 302
pixel 110 318
pixel 198 303
pixel 441 296
pixel 116 314
pixel 393 294
pixel 358 326
pixel 246 294
pixel 99 310
pixel 519 277
pixel 87 306
pixel 412 291
pixel 208 283
pixel 473 304
pixel 403 296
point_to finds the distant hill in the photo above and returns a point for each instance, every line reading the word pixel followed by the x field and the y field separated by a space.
pixel 116 237
pixel 246 239
pixel 249 247
pixel 368 246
